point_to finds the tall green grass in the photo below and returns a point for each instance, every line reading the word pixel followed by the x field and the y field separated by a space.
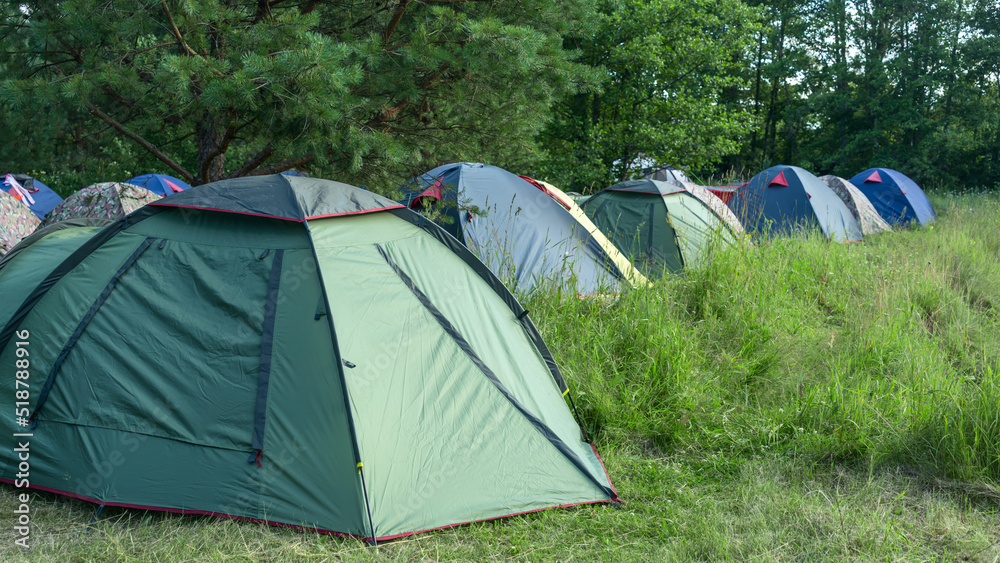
pixel 881 352
pixel 797 400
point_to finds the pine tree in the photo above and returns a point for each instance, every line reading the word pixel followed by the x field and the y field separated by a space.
pixel 368 91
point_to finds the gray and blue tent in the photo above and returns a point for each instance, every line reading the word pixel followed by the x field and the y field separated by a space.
pixel 897 198
pixel 524 236
pixel 786 199
pixel 288 350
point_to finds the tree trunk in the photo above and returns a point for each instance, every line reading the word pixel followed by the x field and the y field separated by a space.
pixel 756 91
pixel 211 159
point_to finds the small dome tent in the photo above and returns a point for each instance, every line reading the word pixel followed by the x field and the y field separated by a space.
pixel 869 219
pixel 898 199
pixel 519 232
pixel 288 350
pixel 782 199
pixel 160 184
pixel 16 222
pixel 107 200
pixel 36 195
pixel 665 174
pixel 658 224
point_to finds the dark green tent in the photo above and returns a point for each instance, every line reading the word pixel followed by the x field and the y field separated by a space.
pixel 289 350
pixel 659 225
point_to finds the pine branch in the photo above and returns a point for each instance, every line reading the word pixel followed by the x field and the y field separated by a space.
pixel 187 176
pixel 177 32
pixel 253 163
pixel 283 165
pixel 263 11
pixel 395 19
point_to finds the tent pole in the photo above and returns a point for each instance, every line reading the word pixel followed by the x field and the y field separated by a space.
pixel 364 489
pixel 576 414
pixel 343 382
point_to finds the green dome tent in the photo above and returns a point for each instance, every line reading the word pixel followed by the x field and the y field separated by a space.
pixel 659 224
pixel 289 350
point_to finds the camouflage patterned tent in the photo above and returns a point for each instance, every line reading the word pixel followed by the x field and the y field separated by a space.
pixel 107 200
pixel 16 222
pixel 862 209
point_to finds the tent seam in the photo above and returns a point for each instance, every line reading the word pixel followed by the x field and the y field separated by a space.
pixel 84 322
pixel 466 347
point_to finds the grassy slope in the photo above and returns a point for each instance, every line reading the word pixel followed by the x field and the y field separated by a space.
pixel 799 400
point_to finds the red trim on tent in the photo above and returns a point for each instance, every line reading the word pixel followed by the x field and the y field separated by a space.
pixel 542 187
pixel 874 177
pixel 295 526
pixel 779 179
pixel 434 191
pixel 197 512
pixel 610 484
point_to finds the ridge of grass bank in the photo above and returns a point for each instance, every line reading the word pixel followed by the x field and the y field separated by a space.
pixel 796 400
pixel 882 352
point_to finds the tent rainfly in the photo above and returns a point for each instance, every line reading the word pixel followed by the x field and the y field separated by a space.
pixel 665 174
pixel 869 219
pixel 659 225
pixel 160 184
pixel 898 199
pixel 519 232
pixel 29 191
pixel 783 199
pixel 288 350
pixel 620 260
pixel 107 200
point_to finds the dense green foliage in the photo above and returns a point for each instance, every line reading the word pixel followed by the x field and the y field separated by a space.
pixel 839 86
pixel 799 400
pixel 582 94
pixel 208 89
pixel 668 64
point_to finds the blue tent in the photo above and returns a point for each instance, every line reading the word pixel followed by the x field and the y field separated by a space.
pixel 520 233
pixel 897 198
pixel 39 197
pixel 160 184
pixel 783 199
